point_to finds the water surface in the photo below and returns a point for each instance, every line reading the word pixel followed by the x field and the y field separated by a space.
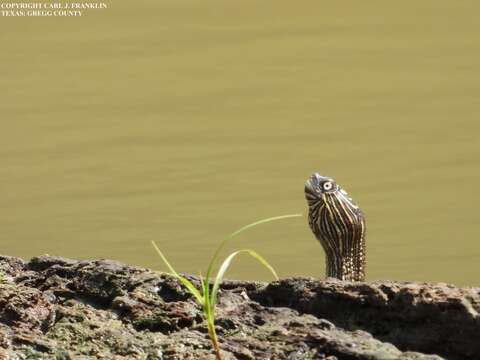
pixel 182 121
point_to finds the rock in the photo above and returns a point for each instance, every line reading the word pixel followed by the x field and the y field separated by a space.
pixel 431 318
pixel 55 308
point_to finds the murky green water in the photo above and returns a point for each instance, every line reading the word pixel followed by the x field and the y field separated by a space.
pixel 182 121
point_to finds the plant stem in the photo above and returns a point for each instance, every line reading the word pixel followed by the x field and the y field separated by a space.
pixel 214 339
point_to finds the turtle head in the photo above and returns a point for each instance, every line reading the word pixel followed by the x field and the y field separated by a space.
pixel 317 185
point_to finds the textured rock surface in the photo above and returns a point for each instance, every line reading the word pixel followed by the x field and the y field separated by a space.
pixel 54 308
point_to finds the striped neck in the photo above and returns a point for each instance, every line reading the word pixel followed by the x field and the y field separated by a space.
pixel 339 225
pixel 349 267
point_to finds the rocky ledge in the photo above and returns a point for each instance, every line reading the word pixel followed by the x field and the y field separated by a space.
pixel 55 308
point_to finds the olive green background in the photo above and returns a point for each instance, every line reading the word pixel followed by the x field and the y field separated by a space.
pixel 180 121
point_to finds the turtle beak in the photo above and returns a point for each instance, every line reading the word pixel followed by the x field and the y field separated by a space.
pixel 308 186
pixel 311 185
pixel 315 179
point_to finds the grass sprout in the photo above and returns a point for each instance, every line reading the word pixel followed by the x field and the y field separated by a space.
pixel 206 296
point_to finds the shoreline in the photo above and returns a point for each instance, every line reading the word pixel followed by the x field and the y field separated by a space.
pixel 57 308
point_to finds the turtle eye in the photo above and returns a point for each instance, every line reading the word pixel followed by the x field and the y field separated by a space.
pixel 327 185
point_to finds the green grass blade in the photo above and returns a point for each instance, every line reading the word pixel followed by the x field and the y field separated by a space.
pixel 190 287
pixel 202 284
pixel 224 267
pixel 264 262
pixel 263 221
pixel 206 304
pixel 242 229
